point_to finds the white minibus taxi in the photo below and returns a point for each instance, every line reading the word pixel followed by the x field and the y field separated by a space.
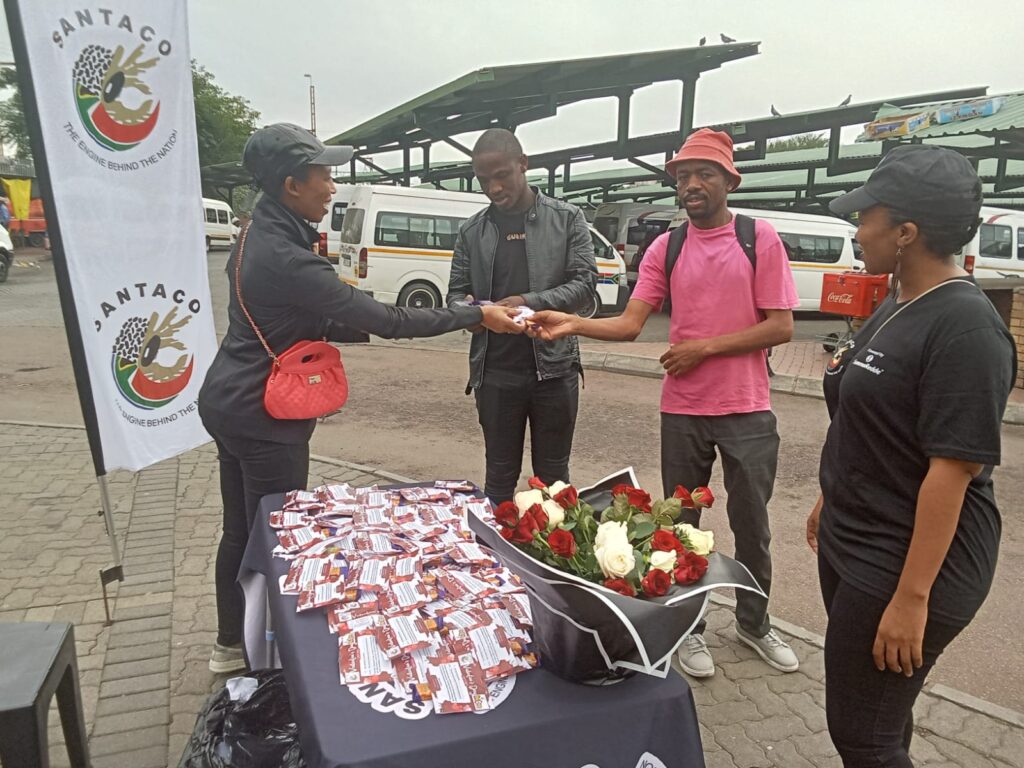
pixel 219 218
pixel 997 249
pixel 628 226
pixel 814 244
pixel 396 244
pixel 330 225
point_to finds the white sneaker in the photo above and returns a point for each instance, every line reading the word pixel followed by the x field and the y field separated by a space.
pixel 226 659
pixel 772 648
pixel 695 658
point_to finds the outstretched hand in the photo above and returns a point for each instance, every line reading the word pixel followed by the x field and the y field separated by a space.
pixel 500 319
pixel 549 325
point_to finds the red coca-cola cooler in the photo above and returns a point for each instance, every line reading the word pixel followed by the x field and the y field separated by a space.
pixel 852 294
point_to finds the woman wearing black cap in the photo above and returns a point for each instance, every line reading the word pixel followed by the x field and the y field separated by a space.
pixel 293 295
pixel 906 529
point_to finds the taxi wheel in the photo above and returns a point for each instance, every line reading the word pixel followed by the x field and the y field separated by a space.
pixel 419 296
pixel 591 308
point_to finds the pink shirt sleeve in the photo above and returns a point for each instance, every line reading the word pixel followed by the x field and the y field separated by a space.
pixel 774 287
pixel 651 285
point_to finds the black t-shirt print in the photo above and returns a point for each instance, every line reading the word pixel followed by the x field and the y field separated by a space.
pixel 933 382
pixel 511 277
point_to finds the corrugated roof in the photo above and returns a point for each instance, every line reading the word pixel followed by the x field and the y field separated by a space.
pixel 527 92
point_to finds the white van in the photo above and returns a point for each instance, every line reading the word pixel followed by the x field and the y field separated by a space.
pixel 631 226
pixel 330 225
pixel 814 244
pixel 219 218
pixel 396 244
pixel 997 249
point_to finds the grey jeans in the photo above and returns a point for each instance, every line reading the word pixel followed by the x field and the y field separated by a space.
pixel 749 446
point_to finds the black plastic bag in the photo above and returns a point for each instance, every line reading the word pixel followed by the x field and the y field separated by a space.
pixel 256 733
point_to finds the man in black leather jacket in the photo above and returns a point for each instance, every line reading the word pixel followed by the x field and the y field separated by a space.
pixel 525 249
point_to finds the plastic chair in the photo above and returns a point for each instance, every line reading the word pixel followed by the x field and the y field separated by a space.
pixel 37 660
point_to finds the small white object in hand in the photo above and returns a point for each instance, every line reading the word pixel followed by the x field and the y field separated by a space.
pixel 522 314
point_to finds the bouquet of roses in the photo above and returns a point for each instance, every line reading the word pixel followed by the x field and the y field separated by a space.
pixel 635 547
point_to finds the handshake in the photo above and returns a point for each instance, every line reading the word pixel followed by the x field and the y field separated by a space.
pixel 511 315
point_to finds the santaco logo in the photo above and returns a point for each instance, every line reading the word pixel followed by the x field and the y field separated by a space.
pixel 111 86
pixel 150 364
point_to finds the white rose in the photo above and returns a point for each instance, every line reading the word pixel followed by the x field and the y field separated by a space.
pixel 615 558
pixel 526 499
pixel 555 513
pixel 557 487
pixel 701 542
pixel 663 561
pixel 610 531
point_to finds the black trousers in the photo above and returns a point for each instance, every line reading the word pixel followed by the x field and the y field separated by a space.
pixel 505 404
pixel 249 470
pixel 749 446
pixel 870 713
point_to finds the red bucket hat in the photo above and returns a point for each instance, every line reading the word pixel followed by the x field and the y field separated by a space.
pixel 706 144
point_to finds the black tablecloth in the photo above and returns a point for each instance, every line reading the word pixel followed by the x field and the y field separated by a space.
pixel 545 722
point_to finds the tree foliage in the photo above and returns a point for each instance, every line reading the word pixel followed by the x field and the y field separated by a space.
pixel 803 141
pixel 223 121
pixel 12 116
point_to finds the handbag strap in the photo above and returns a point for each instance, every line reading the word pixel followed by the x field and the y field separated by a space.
pixel 238 292
pixel 921 296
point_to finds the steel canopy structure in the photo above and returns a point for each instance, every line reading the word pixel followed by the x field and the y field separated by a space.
pixel 510 96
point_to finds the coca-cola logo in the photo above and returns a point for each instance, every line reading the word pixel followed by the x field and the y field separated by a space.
pixel 840 298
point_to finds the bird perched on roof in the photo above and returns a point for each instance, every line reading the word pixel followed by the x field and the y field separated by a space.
pixel 845 101
pixel 703 40
pixel 775 112
pixel 726 38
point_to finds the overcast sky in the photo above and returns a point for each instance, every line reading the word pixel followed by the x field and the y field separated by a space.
pixel 367 56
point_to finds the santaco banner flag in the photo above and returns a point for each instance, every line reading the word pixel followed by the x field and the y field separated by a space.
pixel 114 88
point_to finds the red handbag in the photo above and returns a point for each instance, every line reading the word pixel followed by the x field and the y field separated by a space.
pixel 307 380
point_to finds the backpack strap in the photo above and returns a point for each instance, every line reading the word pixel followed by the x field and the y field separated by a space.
pixel 746 233
pixel 675 247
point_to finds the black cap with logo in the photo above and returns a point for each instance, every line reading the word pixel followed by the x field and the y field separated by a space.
pixel 275 152
pixel 926 183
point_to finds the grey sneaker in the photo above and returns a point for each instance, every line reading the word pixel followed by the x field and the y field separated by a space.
pixel 695 658
pixel 226 659
pixel 772 648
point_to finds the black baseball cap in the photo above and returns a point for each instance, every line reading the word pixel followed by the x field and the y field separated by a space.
pixel 273 153
pixel 924 182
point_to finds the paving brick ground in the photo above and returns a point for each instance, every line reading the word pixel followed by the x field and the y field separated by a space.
pixel 145 677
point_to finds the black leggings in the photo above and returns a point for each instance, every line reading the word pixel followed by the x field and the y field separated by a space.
pixel 249 470
pixel 870 713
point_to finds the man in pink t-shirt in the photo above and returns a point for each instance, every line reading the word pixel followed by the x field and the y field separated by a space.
pixel 727 311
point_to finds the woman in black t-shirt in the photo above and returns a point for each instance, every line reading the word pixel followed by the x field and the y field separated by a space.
pixel 906 529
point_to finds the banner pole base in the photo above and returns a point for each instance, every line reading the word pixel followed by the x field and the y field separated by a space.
pixel 107 575
pixel 114 572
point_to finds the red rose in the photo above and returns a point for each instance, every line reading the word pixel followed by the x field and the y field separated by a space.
pixel 684 496
pixel 703 497
pixel 637 497
pixel 525 529
pixel 656 582
pixel 690 567
pixel 621 586
pixel 539 515
pixel 507 514
pixel 507 533
pixel 562 543
pixel 640 499
pixel 536 482
pixel 567 497
pixel 666 541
